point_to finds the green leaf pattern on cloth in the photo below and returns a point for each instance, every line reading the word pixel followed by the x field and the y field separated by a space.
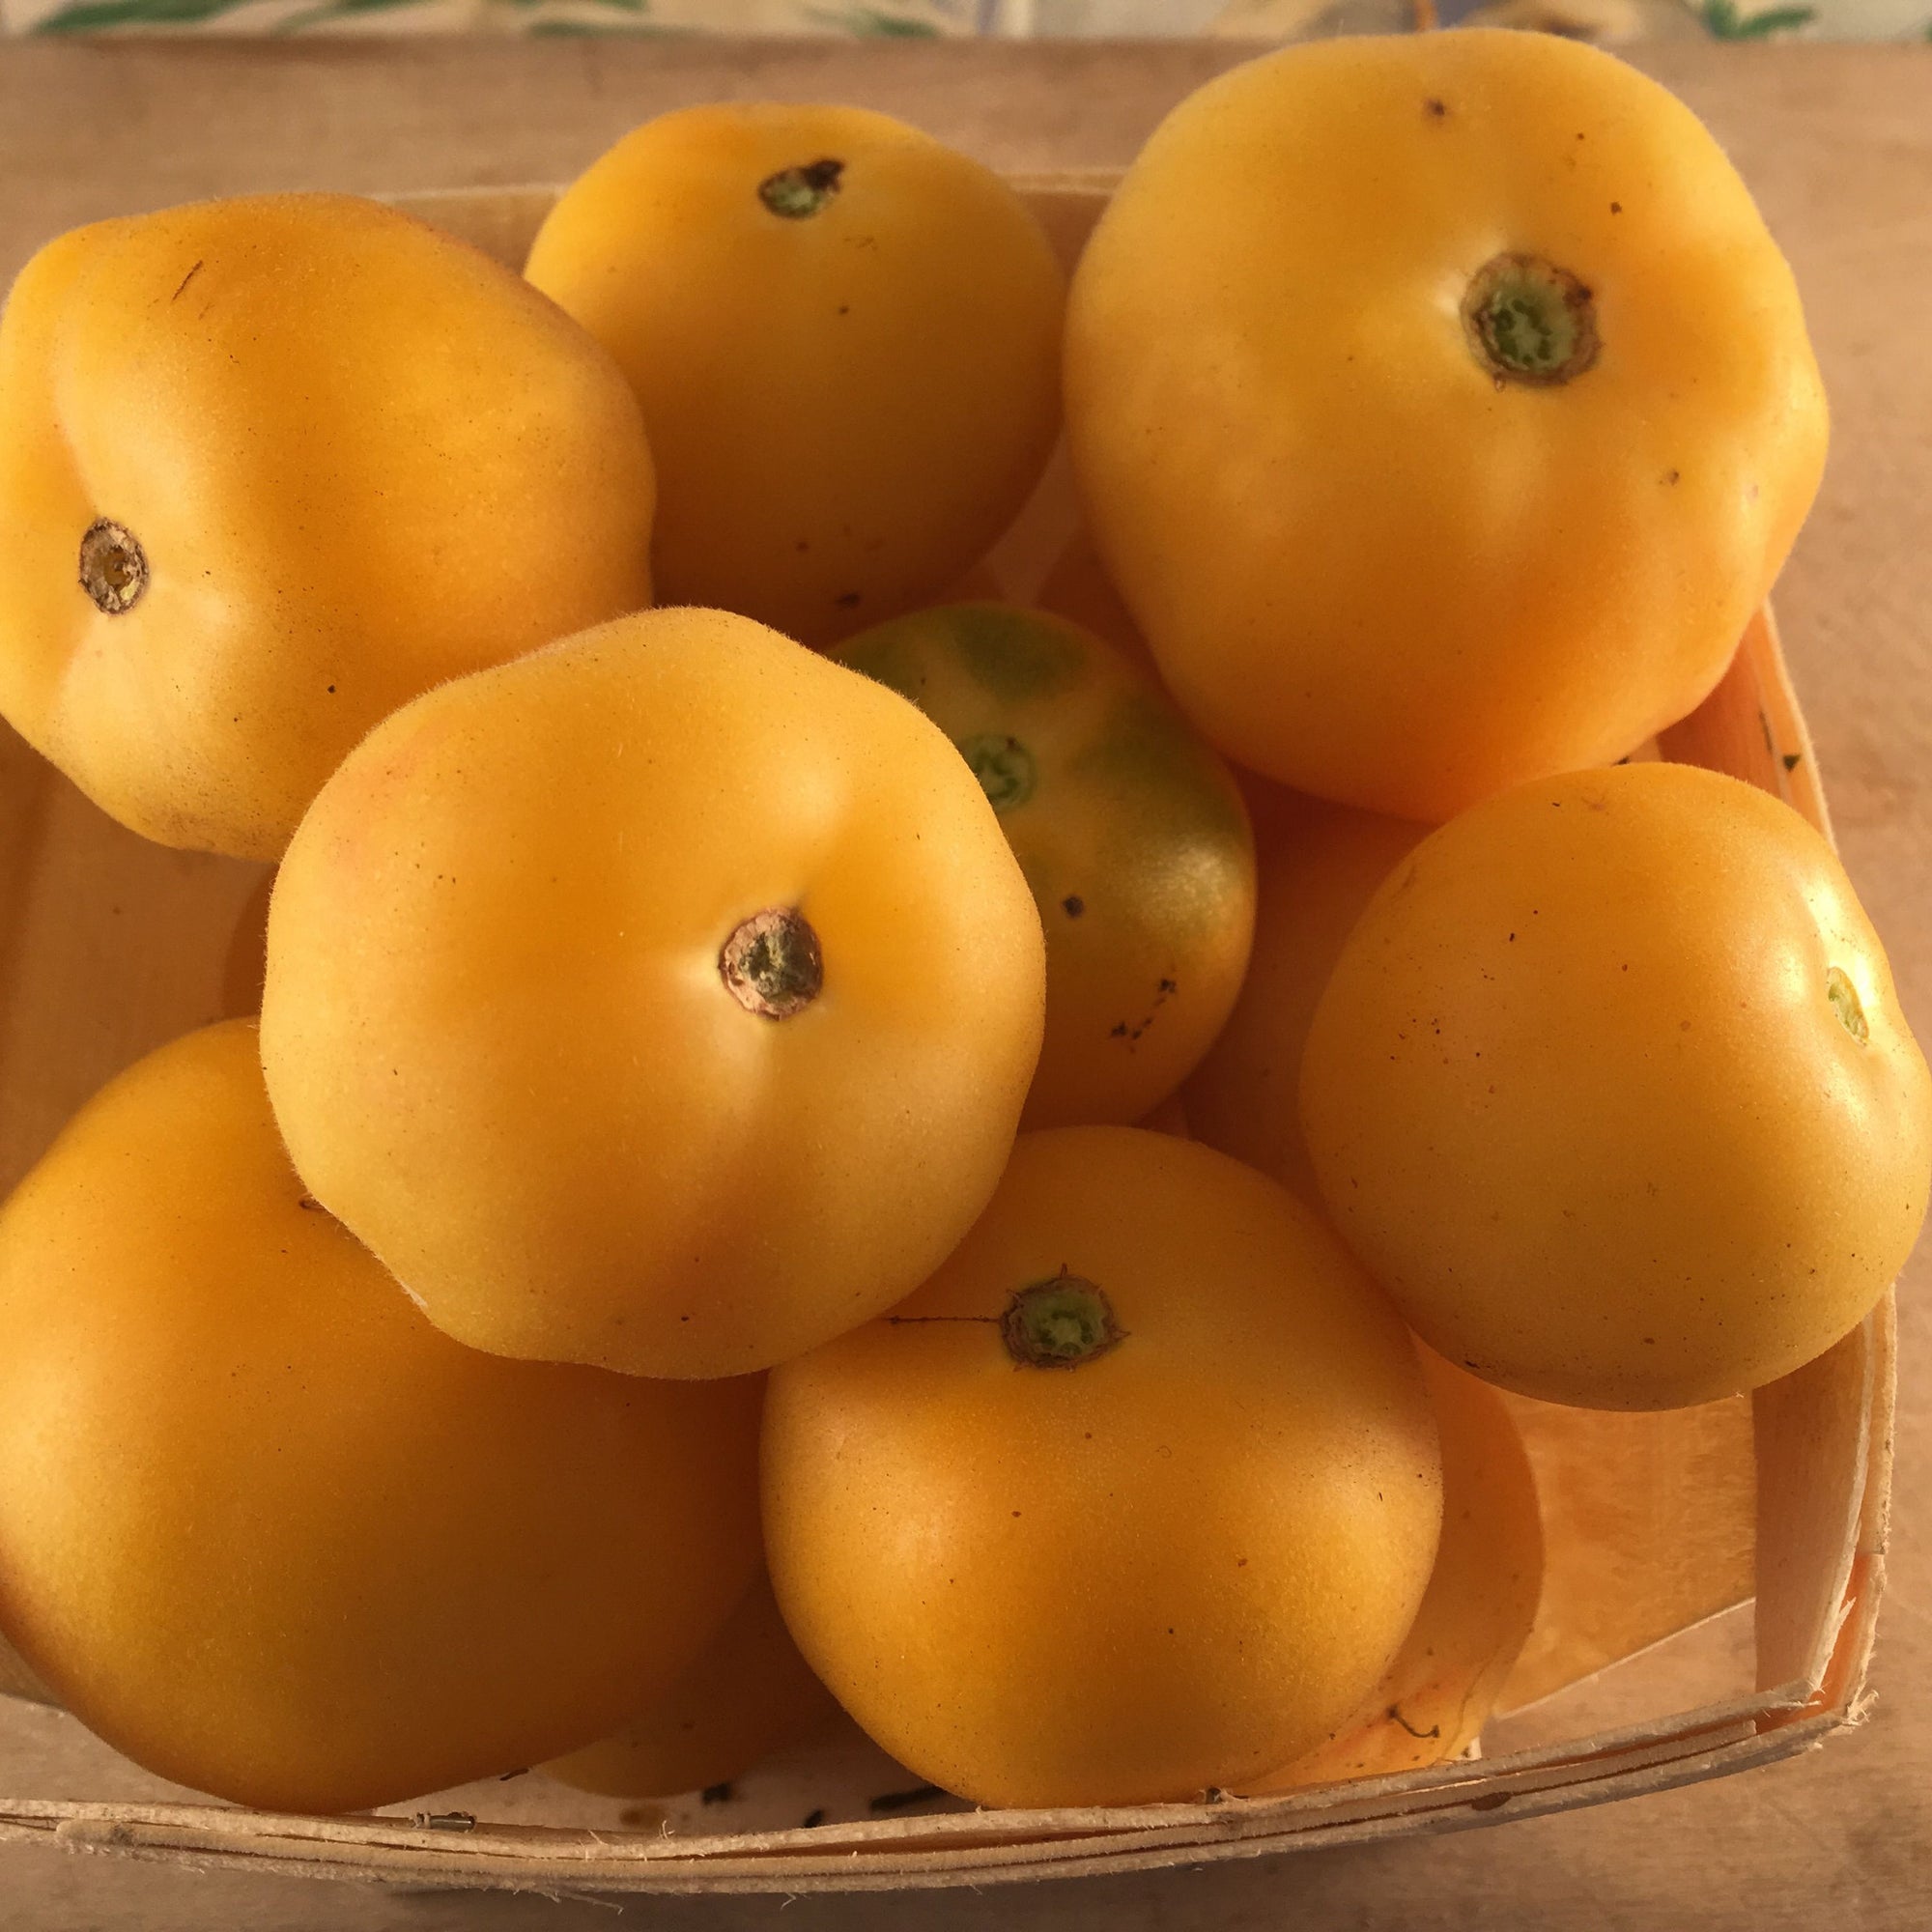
pixel 500 17
pixel 1611 22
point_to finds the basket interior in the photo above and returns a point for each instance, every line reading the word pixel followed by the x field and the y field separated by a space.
pixel 1650 1664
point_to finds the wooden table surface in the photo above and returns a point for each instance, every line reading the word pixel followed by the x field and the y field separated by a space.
pixel 1836 142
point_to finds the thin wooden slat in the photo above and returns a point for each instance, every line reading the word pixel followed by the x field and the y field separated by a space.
pixel 1649 1527
pixel 1803 786
pixel 1730 731
pixel 121 946
pixel 425 1858
pixel 1811 1427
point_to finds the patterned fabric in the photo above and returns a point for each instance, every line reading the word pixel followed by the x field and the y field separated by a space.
pixel 1609 21
pixel 368 17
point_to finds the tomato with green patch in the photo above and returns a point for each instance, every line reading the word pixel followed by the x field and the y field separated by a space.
pixel 1131 834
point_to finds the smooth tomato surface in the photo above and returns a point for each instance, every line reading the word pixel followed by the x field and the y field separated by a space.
pixel 1170 1565
pixel 1433 1700
pixel 513 1026
pixel 1131 834
pixel 1374 559
pixel 747 1695
pixel 272 1535
pixel 1610 1090
pixel 353 457
pixel 1317 866
pixel 845 337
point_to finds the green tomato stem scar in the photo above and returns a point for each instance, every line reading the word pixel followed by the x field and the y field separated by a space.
pixel 798 192
pixel 1530 321
pixel 1003 767
pixel 1060 1323
pixel 113 566
pixel 771 964
pixel 1846 1004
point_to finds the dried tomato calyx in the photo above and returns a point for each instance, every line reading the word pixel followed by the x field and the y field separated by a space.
pixel 771 964
pixel 113 566
pixel 798 192
pixel 1530 321
pixel 1004 766
pixel 1060 1323
pixel 1846 1006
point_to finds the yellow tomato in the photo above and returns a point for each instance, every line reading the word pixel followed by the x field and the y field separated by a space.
pixel 1077 586
pixel 1441 408
pixel 1610 1090
pixel 845 339
pixel 267 1532
pixel 1435 1698
pixel 1318 866
pixel 1129 831
pixel 749 1694
pixel 1135 1496
pixel 267 469
pixel 666 1000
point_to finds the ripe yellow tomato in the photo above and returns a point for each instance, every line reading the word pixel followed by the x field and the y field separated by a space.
pixel 1610 1090
pixel 1135 1496
pixel 272 1536
pixel 749 1694
pixel 1077 586
pixel 1454 468
pixel 845 337
pixel 267 469
pixel 666 1000
pixel 1129 830
pixel 1318 866
pixel 1433 1700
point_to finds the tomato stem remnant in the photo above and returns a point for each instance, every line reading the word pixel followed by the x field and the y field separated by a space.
pixel 798 192
pixel 1530 321
pixel 1060 1323
pixel 771 964
pixel 113 566
pixel 1846 1004
pixel 1003 767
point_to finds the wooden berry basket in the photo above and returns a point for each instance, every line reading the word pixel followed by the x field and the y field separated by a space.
pixel 109 946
